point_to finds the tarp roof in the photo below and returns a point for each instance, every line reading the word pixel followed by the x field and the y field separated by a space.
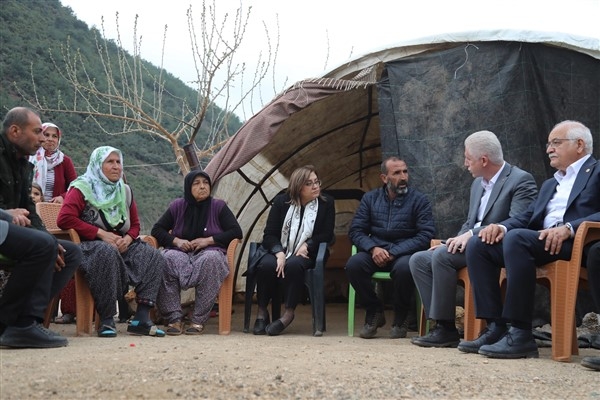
pixel 333 123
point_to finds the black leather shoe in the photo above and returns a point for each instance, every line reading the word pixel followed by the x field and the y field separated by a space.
pixel 32 336
pixel 490 335
pixel 591 362
pixel 595 342
pixel 259 326
pixel 372 322
pixel 275 328
pixel 517 343
pixel 438 337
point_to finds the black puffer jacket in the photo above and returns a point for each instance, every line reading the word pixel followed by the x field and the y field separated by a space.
pixel 402 226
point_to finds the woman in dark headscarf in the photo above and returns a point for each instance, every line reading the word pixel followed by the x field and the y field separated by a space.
pixel 100 207
pixel 195 232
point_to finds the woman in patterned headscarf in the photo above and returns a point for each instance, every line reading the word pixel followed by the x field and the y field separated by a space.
pixel 52 169
pixel 100 207
pixel 299 220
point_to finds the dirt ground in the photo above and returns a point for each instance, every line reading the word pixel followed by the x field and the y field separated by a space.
pixel 294 365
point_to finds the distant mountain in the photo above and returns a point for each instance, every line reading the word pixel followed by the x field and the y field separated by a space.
pixel 29 31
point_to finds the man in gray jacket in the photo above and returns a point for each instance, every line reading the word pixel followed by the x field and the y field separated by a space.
pixel 499 191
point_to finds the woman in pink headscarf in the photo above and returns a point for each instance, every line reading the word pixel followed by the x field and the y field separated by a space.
pixel 52 169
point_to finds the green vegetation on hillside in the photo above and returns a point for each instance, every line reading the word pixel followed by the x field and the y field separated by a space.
pixel 34 31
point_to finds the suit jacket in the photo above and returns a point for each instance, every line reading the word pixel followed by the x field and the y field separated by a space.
pixel 583 203
pixel 512 193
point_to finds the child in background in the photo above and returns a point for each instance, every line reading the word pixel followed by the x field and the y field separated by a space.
pixel 37 194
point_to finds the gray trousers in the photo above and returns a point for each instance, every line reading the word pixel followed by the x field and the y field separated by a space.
pixel 434 273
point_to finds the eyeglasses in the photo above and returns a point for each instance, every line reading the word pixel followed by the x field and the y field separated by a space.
pixel 554 143
pixel 313 183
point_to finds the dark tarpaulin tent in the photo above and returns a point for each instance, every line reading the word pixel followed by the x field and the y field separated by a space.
pixel 418 101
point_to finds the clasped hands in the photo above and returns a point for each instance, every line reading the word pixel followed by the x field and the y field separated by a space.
pixel 553 237
pixel 192 245
pixel 121 243
pixel 20 216
pixel 381 257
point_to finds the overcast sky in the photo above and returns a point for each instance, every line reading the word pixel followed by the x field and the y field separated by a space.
pixel 319 35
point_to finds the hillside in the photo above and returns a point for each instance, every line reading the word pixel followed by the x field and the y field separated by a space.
pixel 32 33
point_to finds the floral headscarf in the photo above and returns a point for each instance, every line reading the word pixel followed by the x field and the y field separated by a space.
pixel 43 162
pixel 108 197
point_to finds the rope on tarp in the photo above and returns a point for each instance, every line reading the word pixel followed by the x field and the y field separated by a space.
pixel 364 78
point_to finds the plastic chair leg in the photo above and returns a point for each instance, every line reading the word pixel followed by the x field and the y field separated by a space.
pixel 50 310
pixel 351 301
pixel 314 280
pixel 248 302
pixel 422 321
pixel 318 309
pixel 84 305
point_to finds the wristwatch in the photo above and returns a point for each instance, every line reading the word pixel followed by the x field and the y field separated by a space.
pixel 569 227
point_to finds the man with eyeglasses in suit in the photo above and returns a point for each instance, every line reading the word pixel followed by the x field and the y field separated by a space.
pixel 542 234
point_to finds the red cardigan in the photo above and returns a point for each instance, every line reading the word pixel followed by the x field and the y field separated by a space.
pixel 72 208
pixel 64 174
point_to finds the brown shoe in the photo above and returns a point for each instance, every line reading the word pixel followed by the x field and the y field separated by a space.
pixel 194 329
pixel 174 329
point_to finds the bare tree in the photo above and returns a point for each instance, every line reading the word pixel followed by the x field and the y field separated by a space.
pixel 134 94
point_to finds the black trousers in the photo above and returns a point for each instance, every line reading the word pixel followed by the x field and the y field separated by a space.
pixel 593 267
pixel 359 269
pixel 293 283
pixel 520 252
pixel 33 281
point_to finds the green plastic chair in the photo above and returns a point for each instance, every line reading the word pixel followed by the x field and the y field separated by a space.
pixel 377 276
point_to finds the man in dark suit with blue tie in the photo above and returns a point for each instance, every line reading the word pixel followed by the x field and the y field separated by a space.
pixel 542 234
pixel 499 191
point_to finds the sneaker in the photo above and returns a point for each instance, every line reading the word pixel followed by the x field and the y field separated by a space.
pixel 399 330
pixel 372 322
pixel 438 337
pixel 490 335
pixel 32 336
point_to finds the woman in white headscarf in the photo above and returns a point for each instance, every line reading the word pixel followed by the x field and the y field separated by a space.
pixel 52 169
pixel 299 220
pixel 100 207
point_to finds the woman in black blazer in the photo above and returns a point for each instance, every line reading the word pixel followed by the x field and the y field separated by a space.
pixel 299 220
